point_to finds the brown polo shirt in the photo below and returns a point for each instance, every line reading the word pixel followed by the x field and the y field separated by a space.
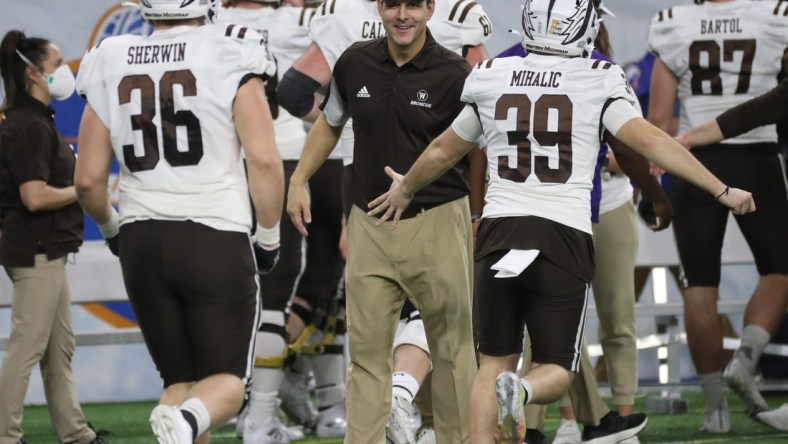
pixel 32 149
pixel 397 112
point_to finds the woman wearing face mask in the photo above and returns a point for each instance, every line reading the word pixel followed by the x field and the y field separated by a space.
pixel 41 225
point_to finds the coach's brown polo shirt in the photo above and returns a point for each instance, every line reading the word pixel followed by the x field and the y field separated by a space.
pixel 397 112
pixel 32 149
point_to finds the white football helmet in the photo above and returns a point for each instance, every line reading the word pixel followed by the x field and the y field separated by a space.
pixel 178 9
pixel 561 27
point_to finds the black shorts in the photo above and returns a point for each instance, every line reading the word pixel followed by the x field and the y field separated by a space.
pixel 186 282
pixel 546 298
pixel 699 221
pixel 315 263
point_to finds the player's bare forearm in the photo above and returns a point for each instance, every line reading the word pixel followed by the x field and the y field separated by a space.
pixel 254 125
pixel 445 151
pixel 92 168
pixel 663 150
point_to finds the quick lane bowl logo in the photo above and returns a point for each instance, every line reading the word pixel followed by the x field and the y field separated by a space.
pixel 119 20
pixel 422 95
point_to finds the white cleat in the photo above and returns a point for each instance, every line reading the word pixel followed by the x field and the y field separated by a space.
pixel 777 418
pixel 427 436
pixel 331 422
pixel 398 427
pixel 169 426
pixel 271 431
pixel 296 402
pixel 568 433
pixel 719 420
pixel 742 382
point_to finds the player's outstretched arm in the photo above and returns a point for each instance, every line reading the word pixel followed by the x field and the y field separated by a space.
pixel 663 150
pixel 320 141
pixel 255 129
pixel 445 151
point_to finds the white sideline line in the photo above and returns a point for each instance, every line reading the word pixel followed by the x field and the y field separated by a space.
pixel 660 340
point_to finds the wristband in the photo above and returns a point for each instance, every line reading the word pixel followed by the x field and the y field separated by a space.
pixel 111 227
pixel 724 193
pixel 267 236
pixel 475 218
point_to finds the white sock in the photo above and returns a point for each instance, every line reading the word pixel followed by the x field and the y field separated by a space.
pixel 261 407
pixel 404 385
pixel 329 369
pixel 529 391
pixel 199 412
pixel 753 340
pixel 711 386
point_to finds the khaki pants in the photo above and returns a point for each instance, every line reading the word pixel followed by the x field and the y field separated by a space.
pixel 41 334
pixel 616 240
pixel 427 259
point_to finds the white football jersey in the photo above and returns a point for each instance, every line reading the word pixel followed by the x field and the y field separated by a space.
pixel 286 29
pixel 456 24
pixel 543 125
pixel 723 54
pixel 167 101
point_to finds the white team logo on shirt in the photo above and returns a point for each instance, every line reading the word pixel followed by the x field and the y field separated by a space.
pixel 422 96
pixel 363 92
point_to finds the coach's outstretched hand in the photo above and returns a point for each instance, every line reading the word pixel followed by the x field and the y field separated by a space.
pixel 393 202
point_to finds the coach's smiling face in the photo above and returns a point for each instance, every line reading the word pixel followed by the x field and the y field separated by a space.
pixel 405 22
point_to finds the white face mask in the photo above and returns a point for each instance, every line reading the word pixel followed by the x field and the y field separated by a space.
pixel 60 83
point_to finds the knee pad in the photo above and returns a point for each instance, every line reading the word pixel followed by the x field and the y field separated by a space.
pixel 270 350
pixel 413 334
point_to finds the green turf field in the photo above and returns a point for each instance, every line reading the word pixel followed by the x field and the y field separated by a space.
pixel 128 423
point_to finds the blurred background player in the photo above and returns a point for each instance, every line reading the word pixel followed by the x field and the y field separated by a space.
pixel 712 56
pixel 308 270
pixel 184 194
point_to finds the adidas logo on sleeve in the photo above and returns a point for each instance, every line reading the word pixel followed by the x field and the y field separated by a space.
pixel 363 92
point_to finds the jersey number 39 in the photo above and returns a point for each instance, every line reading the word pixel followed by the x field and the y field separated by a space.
pixel 561 136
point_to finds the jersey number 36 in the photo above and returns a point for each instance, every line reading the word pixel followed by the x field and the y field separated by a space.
pixel 170 119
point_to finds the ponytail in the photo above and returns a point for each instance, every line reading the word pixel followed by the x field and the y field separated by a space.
pixel 602 42
pixel 12 67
